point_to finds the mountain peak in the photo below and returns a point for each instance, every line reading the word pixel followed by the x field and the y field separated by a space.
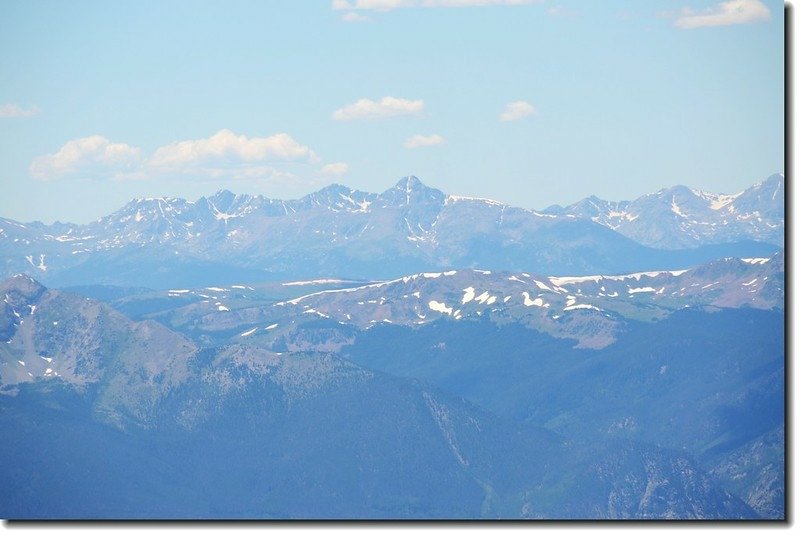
pixel 21 287
pixel 410 189
pixel 772 182
pixel 409 182
pixel 223 193
pixel 226 197
pixel 332 188
pixel 227 202
pixel 774 179
pixel 337 197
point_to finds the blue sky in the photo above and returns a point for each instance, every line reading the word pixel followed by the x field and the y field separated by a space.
pixel 533 104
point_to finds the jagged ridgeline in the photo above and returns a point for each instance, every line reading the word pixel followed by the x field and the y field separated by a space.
pixel 338 232
pixel 403 355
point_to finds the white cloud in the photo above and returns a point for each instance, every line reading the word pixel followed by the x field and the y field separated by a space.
pixel 723 14
pixel 515 111
pixel 354 17
pixel 8 111
pixel 386 5
pixel 335 169
pixel 227 148
pixel 423 141
pixel 386 107
pixel 88 157
pixel 224 155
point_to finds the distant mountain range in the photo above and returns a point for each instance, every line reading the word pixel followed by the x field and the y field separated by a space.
pixel 590 310
pixel 340 232
pixel 679 217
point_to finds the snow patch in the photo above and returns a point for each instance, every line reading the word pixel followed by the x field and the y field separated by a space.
pixel 641 290
pixel 469 295
pixel 528 302
pixel 542 286
pixel 483 297
pixel 676 209
pixel 561 281
pixel 581 306
pixel 460 198
pixel 306 283
pixel 41 266
pixel 440 307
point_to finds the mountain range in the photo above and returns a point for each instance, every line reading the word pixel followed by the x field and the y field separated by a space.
pixel 679 217
pixel 473 371
pixel 408 354
pixel 338 232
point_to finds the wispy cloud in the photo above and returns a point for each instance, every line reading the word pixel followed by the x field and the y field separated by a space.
pixel 386 107
pixel 9 111
pixel 423 141
pixel 387 5
pixel 88 157
pixel 335 169
pixel 222 155
pixel 561 12
pixel 514 111
pixel 723 14
pixel 354 17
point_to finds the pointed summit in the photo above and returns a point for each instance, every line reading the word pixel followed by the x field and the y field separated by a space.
pixel 409 182
pixel 227 201
pixel 410 190
pixel 21 289
pixel 764 199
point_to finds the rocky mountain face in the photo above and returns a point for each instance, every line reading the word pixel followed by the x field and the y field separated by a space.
pixel 679 217
pixel 340 232
pixel 50 334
